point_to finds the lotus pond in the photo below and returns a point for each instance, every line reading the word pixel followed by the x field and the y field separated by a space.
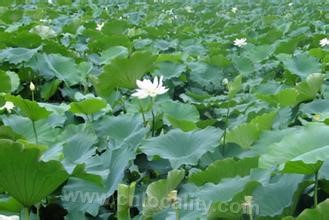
pixel 182 110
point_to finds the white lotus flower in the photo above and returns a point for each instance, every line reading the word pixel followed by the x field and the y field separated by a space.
pixel 240 42
pixel 100 26
pixel 8 106
pixel 290 4
pixel 147 88
pixel 50 2
pixel 32 86
pixel 324 42
pixel 234 10
pixel 189 9
pixel 13 217
pixel 247 204
pixel 44 31
pixel 225 81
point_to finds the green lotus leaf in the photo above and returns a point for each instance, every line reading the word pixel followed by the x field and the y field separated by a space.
pixel 221 169
pixel 308 144
pixel 179 115
pixel 157 193
pixel 24 176
pixel 283 191
pixel 302 65
pixel 308 89
pixel 49 89
pixel 17 55
pixel 205 74
pixel 223 191
pixel 246 134
pixel 319 213
pixel 123 72
pixel 183 147
pixel 9 204
pixel 125 200
pixel 235 86
pixel 5 83
pixel 88 106
pixel 112 53
pixel 28 108
pixel 52 66
pixel 22 127
pixel 258 53
pixel 244 65
pixel 169 69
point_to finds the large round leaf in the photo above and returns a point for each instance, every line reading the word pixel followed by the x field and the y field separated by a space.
pixel 247 133
pixel 26 178
pixel 301 65
pixel 308 144
pixel 17 55
pixel 30 109
pixel 88 106
pixel 319 213
pixel 5 84
pixel 157 193
pixel 123 72
pixel 183 147
pixel 170 69
pixel 113 52
pixel 57 66
pixel 282 193
pixel 180 115
pixel 221 169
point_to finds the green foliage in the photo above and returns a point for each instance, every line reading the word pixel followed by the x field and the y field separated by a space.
pixel 302 65
pixel 240 124
pixel 307 144
pixel 183 147
pixel 87 106
pixel 123 72
pixel 26 178
pixel 222 169
pixel 125 200
pixel 159 191
pixel 320 212
pixel 246 134
pixel 30 109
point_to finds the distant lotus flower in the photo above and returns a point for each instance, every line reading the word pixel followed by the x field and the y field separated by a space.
pixel 247 204
pixel 44 31
pixel 32 86
pixel 234 9
pixel 147 88
pixel 50 2
pixel 324 42
pixel 100 26
pixel 240 42
pixel 317 117
pixel 8 106
pixel 172 196
pixel 13 217
pixel 189 9
pixel 290 4
pixel 225 81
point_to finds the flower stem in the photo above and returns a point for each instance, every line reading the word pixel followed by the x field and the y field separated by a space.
pixel 153 117
pixel 225 130
pixel 153 123
pixel 143 114
pixel 27 213
pixel 35 132
pixel 177 213
pixel 251 217
pixel 316 182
